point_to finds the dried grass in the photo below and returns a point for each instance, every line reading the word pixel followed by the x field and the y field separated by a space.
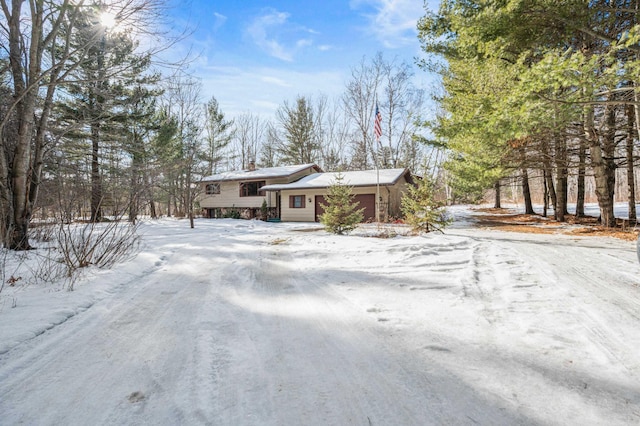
pixel 506 220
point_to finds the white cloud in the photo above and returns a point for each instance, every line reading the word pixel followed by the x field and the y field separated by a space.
pixel 261 90
pixel 325 47
pixel 393 22
pixel 275 80
pixel 277 36
pixel 219 20
pixel 259 30
pixel 262 105
pixel 304 42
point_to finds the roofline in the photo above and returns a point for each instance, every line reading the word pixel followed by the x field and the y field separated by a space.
pixel 323 186
pixel 395 181
pixel 313 166
pixel 403 174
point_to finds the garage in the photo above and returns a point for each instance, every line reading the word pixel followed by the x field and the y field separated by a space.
pixel 307 195
pixel 368 201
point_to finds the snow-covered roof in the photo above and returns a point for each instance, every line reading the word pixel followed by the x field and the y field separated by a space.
pixel 360 178
pixel 265 173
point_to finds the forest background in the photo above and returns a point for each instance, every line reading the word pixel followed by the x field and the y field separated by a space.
pixel 537 98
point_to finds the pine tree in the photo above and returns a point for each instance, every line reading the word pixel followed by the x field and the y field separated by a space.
pixel 219 133
pixel 341 214
pixel 141 125
pixel 420 208
pixel 100 95
pixel 301 144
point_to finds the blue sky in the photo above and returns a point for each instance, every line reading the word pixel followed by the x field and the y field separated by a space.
pixel 255 54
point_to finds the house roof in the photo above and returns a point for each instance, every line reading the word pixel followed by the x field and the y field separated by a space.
pixel 265 173
pixel 387 177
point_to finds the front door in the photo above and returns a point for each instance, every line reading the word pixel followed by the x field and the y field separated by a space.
pixel 319 210
pixel 278 206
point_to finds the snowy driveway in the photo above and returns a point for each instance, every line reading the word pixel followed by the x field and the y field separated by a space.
pixel 247 323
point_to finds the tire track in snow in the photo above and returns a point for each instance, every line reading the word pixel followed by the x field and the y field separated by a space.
pixel 131 349
pixel 319 359
pixel 297 347
pixel 584 279
pixel 513 287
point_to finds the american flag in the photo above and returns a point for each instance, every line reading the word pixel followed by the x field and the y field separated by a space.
pixel 377 124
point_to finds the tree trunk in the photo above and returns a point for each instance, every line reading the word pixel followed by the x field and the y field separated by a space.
pixel 631 184
pixel 152 209
pixel 20 173
pixel 5 200
pixel 136 177
pixel 546 196
pixel 39 148
pixel 497 198
pixel 25 92
pixel 96 184
pixel 548 176
pixel 526 192
pixel 600 164
pixel 189 195
pixel 582 158
pixel 561 178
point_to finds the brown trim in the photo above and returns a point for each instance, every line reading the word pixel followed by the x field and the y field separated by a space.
pixel 213 191
pixel 292 203
pixel 260 184
pixel 319 210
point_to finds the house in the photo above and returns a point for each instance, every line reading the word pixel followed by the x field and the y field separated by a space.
pixel 301 201
pixel 240 192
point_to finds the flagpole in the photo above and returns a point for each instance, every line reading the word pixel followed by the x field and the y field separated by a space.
pixel 377 130
pixel 377 190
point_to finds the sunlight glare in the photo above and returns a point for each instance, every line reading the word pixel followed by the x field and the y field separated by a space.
pixel 107 20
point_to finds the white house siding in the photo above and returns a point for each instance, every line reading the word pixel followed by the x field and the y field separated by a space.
pixel 307 214
pixel 230 194
pixel 230 191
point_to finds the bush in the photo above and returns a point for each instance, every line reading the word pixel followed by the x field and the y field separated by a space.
pixel 98 244
pixel 67 249
pixel 232 214
pixel 341 214
pixel 421 210
pixel 264 210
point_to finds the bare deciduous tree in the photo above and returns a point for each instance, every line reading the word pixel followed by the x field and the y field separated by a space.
pixel 401 104
pixel 184 105
pixel 359 102
pixel 38 36
pixel 250 130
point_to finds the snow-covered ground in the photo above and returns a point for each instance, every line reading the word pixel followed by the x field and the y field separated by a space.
pixel 250 323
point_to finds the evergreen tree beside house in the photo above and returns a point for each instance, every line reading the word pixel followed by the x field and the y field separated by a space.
pixel 341 214
pixel 421 209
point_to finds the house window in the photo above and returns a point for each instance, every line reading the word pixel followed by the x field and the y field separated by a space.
pixel 296 201
pixel 251 189
pixel 213 188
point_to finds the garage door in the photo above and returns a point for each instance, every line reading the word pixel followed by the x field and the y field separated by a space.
pixel 368 201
